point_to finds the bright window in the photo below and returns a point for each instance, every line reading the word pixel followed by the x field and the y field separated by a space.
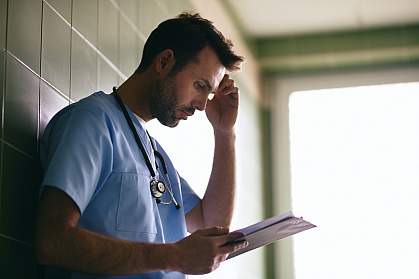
pixel 355 174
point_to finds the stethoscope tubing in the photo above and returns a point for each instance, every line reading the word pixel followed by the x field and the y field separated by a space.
pixel 145 155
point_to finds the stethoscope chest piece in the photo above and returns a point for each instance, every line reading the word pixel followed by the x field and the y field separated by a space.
pixel 157 188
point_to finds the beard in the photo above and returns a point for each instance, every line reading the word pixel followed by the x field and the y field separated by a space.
pixel 163 102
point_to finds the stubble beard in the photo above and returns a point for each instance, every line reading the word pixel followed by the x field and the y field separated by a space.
pixel 163 102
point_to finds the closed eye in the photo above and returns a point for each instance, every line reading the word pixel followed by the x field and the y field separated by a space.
pixel 201 87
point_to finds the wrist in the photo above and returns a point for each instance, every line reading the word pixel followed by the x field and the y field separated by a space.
pixel 158 257
pixel 173 257
pixel 228 133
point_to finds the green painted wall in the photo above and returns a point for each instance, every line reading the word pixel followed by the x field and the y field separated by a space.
pixel 267 175
pixel 378 47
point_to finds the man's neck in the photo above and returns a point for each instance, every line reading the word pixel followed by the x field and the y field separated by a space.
pixel 135 92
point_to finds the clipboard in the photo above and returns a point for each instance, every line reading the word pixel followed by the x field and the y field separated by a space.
pixel 270 230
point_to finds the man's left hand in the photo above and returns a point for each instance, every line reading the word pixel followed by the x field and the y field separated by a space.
pixel 222 109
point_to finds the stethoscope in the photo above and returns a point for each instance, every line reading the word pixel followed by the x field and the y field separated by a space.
pixel 157 187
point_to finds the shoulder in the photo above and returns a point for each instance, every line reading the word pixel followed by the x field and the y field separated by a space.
pixel 98 106
pixel 99 103
pixel 93 111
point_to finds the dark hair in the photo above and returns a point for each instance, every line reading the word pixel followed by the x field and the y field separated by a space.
pixel 186 35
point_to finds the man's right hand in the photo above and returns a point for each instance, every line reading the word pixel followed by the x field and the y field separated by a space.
pixel 61 243
pixel 204 250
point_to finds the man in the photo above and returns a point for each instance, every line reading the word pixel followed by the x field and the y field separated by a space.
pixel 112 204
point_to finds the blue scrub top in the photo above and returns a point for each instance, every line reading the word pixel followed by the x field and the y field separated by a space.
pixel 89 152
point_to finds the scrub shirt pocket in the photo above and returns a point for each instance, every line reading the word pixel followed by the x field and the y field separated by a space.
pixel 135 206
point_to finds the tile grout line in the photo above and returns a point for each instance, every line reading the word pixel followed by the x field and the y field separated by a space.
pixel 5 142
pixel 71 53
pixel 139 51
pixel 40 74
pixel 97 39
pixel 128 20
pixel 17 240
pixel 36 74
pixel 3 100
pixel 5 73
pixel 118 23
pixel 107 60
pixel 58 13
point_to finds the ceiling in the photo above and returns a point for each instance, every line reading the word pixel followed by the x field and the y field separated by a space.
pixel 272 18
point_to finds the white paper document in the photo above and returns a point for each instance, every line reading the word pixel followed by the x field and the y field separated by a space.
pixel 270 230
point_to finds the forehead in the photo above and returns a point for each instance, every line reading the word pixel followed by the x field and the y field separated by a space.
pixel 207 66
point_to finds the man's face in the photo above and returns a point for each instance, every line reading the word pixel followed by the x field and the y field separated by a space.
pixel 177 96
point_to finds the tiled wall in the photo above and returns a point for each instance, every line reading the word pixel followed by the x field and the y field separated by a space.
pixel 54 52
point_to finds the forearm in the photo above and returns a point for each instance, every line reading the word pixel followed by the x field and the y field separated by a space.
pixel 218 201
pixel 85 251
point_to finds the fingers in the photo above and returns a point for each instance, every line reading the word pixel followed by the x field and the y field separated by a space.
pixel 212 249
pixel 226 86
pixel 227 239
pixel 218 240
pixel 224 82
pixel 234 247
pixel 213 231
pixel 235 242
pixel 234 90
pixel 220 236
pixel 230 88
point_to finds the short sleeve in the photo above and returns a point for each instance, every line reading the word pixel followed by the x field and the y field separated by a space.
pixel 190 198
pixel 76 153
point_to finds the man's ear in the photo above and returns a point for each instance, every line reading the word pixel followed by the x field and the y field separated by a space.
pixel 164 62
